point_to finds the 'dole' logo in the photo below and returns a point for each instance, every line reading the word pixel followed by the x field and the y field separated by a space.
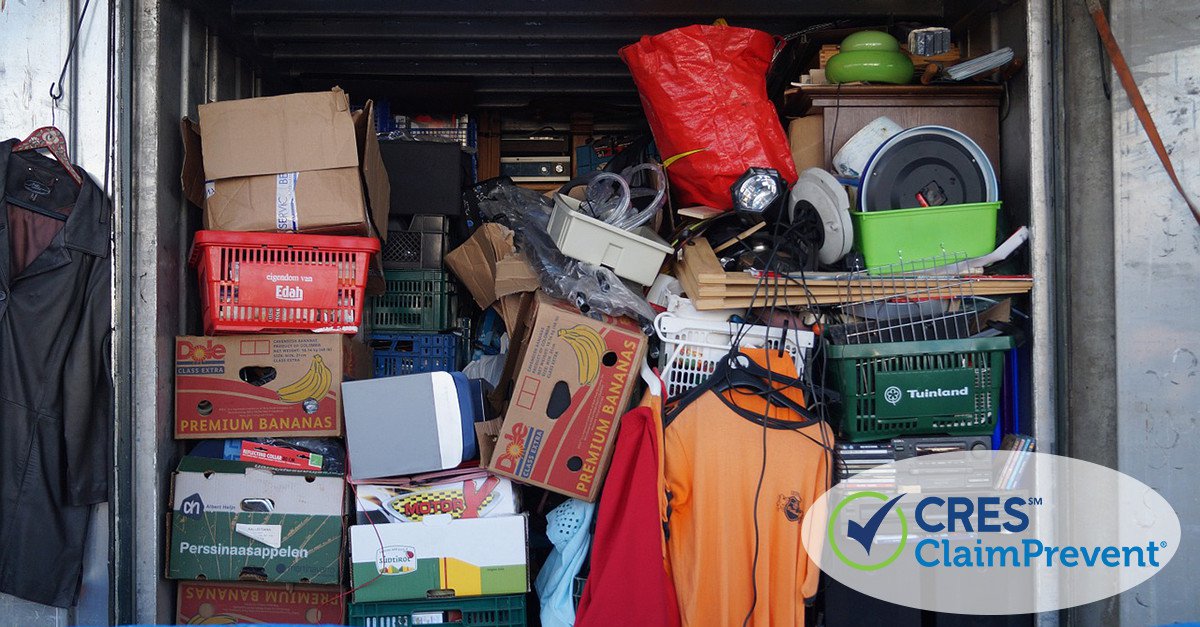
pixel 207 351
pixel 514 448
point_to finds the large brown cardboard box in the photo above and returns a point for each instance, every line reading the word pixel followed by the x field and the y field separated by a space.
pixel 264 385
pixel 571 379
pixel 294 163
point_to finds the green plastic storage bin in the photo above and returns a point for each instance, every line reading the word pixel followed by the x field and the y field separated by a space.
pixel 915 237
pixel 495 611
pixel 415 300
pixel 949 387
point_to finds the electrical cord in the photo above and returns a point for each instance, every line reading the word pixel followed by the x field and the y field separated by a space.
pixel 774 277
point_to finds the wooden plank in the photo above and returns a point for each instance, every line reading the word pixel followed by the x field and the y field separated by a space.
pixel 710 287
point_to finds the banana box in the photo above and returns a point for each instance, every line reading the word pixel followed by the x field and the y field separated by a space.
pixel 439 557
pixel 264 385
pixel 243 602
pixel 232 521
pixel 570 380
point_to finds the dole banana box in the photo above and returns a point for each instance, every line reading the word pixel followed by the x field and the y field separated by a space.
pixel 264 385
pixel 232 521
pixel 566 389
pixel 439 557
pixel 244 602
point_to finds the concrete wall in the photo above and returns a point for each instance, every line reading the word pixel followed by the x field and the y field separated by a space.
pixel 1157 278
pixel 35 36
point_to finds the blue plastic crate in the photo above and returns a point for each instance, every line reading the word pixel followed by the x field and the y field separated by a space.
pixel 411 353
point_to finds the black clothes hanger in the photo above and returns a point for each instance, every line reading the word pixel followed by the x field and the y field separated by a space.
pixel 737 371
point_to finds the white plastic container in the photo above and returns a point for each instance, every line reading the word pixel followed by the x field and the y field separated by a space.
pixel 634 255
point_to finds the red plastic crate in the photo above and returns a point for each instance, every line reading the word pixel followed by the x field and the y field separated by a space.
pixel 281 282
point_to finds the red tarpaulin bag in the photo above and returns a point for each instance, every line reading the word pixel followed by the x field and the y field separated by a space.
pixel 704 89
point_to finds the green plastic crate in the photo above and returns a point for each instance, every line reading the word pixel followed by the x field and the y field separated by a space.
pixel 415 300
pixel 947 387
pixel 913 237
pixel 494 611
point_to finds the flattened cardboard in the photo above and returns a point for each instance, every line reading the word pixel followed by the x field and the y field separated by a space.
pixel 488 264
pixel 221 603
pixel 484 497
pixel 212 400
pixel 290 133
pixel 807 138
pixel 565 398
pixel 511 307
pixel 439 557
pixel 232 521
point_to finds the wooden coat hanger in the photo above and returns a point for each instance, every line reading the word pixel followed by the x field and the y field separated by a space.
pixel 52 139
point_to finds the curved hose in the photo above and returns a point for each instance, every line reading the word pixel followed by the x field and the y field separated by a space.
pixel 636 219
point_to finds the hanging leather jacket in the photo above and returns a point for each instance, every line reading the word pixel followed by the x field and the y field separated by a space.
pixel 55 377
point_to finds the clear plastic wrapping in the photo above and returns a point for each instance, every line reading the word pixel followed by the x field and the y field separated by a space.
pixel 591 288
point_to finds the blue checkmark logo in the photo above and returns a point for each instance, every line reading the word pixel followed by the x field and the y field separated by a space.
pixel 864 533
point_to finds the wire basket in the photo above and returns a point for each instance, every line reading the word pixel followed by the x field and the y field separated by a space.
pixel 889 389
pixel 493 611
pixel 414 300
pixel 411 353
pixel 692 347
pixel 909 301
pixel 281 282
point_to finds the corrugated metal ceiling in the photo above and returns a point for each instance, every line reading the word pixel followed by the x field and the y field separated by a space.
pixel 426 54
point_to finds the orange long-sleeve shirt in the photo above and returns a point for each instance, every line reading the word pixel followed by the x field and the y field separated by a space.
pixel 713 458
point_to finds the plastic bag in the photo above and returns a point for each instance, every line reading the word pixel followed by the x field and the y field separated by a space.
pixel 588 287
pixel 704 89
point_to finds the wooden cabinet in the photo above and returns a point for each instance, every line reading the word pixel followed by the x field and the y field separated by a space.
pixel 971 109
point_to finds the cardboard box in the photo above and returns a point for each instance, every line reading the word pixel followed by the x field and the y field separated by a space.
pixel 294 163
pixel 807 138
pixel 439 557
pixel 253 385
pixel 231 521
pixel 485 497
pixel 567 386
pixel 219 603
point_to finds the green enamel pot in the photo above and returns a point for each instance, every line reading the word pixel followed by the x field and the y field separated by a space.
pixel 870 57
